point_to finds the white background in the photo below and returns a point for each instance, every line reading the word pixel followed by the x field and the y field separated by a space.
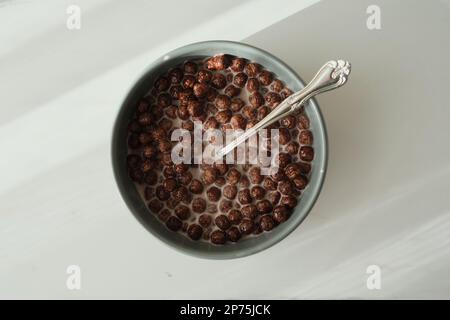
pixel 386 196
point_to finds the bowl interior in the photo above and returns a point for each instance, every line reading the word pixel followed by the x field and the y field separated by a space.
pixel 133 199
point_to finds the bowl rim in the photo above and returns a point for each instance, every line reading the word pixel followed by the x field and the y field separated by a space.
pixel 226 254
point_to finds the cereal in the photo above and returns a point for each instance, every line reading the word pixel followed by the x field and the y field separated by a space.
pixel 234 216
pixel 173 223
pixel 213 194
pixel 233 234
pixel 218 237
pixel 195 231
pixel 218 203
pixel 240 79
pixel 222 222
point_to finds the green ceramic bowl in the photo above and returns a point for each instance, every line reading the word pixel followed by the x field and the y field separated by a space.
pixel 137 206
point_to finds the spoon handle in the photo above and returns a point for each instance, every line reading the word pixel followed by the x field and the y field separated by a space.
pixel 331 75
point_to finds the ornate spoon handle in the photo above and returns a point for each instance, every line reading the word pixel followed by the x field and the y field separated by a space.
pixel 332 75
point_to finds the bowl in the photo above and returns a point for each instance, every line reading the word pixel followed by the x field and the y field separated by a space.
pixel 137 206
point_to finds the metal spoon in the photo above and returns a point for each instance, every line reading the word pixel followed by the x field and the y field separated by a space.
pixel 332 75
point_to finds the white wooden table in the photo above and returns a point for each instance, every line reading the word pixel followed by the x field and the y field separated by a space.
pixel 386 197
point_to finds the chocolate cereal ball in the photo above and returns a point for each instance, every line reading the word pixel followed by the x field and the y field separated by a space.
pixel 174 92
pixel 292 170
pixel 225 206
pixel 289 201
pixel 218 237
pixel 238 122
pixel 190 67
pixel 164 100
pixel 198 205
pixel 211 123
pixel 209 175
pixel 256 99
pixel 274 197
pixel 223 116
pixel 289 122
pixel 306 153
pixel 249 113
pixel 182 212
pixel 213 194
pixel 169 172
pixel 222 168
pixel 292 148
pixel 233 176
pixel 305 137
pixel 232 91
pixel 163 215
pixel 244 182
pixel 252 85
pixel 149 151
pixel 258 192
pixel 252 69
pixel 170 184
pixel 161 193
pixel 162 84
pixel 234 216
pixel 205 220
pixel 219 62
pixel 269 184
pixel 264 206
pixel 281 213
pixel 173 223
pixel 200 89
pixel 222 222
pixel 195 231
pixel 284 136
pixel 196 187
pixel 267 222
pixel 272 99
pixel 195 108
pixel 183 112
pixel 265 77
pixel 218 81
pixel 300 182
pixel 249 212
pixel 283 159
pixel 233 234
pixel 277 85
pixel 303 121
pixel 175 75
pixel 236 104
pixel 246 226
pixel 180 194
pixel 285 93
pixel 155 205
pixel 204 76
pixel 230 191
pixel 238 64
pixel 255 175
pixel 222 102
pixel 286 187
pixel 240 79
pixel 245 197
